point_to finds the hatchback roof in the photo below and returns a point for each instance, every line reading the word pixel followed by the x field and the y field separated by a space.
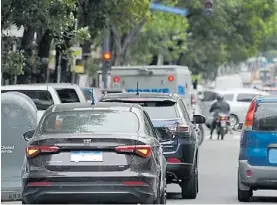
pixel 266 99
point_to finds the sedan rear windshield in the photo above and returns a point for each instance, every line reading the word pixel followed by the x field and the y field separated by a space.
pixel 90 121
pixel 265 118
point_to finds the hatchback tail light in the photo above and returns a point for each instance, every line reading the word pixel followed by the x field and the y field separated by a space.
pixel 250 115
pixel 140 150
pixel 33 151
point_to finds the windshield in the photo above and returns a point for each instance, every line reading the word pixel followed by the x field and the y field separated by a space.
pixel 265 117
pixel 90 121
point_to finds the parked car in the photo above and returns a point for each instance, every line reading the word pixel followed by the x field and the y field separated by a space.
pixel 46 94
pixel 169 115
pixel 258 148
pixel 103 153
pixel 238 99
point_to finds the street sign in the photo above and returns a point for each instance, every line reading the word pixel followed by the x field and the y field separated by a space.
pixel 77 52
pixel 169 9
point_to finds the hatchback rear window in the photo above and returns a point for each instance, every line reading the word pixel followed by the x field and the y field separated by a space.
pixel 90 121
pixel 265 117
pixel 41 98
pixel 68 95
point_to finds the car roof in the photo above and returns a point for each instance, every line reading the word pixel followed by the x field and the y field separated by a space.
pixel 141 95
pixel 267 99
pixel 67 107
pixel 38 86
pixel 240 91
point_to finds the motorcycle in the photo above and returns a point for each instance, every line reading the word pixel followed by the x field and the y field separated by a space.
pixel 222 125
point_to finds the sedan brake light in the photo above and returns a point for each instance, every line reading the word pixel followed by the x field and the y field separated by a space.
pixel 141 150
pixel 34 150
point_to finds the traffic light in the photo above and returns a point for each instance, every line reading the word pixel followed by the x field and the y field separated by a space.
pixel 107 56
pixel 208 8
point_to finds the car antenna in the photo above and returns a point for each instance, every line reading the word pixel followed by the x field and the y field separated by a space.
pixel 137 88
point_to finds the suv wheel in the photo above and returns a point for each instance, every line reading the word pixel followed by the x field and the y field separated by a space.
pixel 190 186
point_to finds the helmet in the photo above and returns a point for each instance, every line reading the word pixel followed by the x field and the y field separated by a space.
pixel 219 97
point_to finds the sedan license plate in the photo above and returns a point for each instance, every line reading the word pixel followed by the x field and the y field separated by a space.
pixel 86 156
pixel 272 156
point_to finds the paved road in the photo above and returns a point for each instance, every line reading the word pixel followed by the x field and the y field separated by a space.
pixel 217 176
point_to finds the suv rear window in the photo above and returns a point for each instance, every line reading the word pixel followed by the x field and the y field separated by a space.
pixel 68 95
pixel 265 117
pixel 160 110
pixel 90 121
pixel 245 97
pixel 41 98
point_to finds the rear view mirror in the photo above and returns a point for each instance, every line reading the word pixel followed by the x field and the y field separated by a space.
pixel 28 135
pixel 198 119
pixel 238 127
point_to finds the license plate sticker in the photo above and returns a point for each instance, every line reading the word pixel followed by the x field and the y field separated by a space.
pixel 272 156
pixel 86 156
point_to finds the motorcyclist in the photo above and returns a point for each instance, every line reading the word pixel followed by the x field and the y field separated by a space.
pixel 220 106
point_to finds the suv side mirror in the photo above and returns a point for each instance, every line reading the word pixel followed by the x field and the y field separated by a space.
pixel 238 127
pixel 198 119
pixel 28 135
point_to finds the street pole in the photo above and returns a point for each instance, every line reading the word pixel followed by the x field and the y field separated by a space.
pixel 106 64
pixel 59 67
pixel 73 76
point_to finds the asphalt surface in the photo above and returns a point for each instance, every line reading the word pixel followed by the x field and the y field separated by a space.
pixel 218 165
pixel 217 176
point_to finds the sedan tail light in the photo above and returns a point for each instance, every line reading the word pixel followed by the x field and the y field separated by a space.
pixel 140 150
pixel 34 150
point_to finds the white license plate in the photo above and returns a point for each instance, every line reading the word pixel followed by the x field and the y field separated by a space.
pixel 86 156
pixel 223 123
pixel 272 156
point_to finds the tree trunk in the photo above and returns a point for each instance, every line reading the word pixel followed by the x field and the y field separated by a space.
pixel 43 54
pixel 122 43
pixel 27 47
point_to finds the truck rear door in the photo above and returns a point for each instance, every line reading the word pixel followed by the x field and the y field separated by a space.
pixel 146 80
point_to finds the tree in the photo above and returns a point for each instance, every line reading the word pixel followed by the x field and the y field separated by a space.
pixel 125 26
pixel 163 36
pixel 234 33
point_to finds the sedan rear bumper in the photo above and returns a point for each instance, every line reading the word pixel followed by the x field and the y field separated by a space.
pixel 78 193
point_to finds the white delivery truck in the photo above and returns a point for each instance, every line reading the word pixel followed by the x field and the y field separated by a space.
pixel 158 79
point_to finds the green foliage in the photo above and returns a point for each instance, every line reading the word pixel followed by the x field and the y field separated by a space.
pixel 13 62
pixel 163 31
pixel 237 30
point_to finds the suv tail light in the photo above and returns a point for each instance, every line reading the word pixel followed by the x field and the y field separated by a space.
pixel 140 150
pixel 250 115
pixel 33 151
pixel 180 129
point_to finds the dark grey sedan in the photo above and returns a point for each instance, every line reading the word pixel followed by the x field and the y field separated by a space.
pixel 104 153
